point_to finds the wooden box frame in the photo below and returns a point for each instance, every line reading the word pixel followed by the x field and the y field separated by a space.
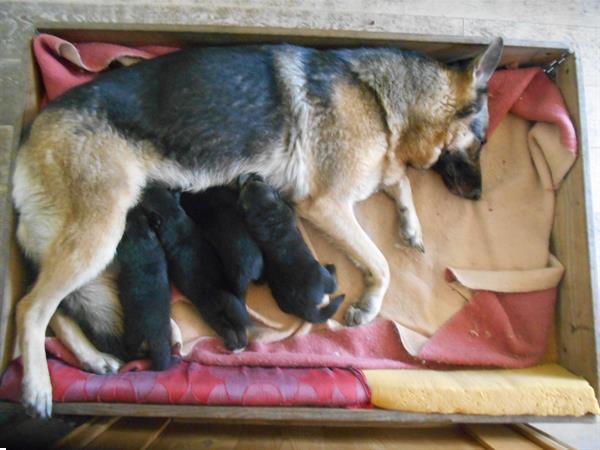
pixel 572 240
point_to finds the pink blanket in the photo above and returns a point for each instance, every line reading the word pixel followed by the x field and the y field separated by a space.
pixel 190 383
pixel 506 329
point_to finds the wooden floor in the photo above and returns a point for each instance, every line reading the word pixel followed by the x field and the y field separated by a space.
pixel 163 434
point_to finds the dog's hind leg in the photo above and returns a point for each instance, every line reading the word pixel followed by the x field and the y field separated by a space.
pixel 81 250
pixel 75 179
pixel 89 357
pixel 337 220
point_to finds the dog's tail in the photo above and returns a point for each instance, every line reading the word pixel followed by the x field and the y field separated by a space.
pixel 323 314
pixel 97 309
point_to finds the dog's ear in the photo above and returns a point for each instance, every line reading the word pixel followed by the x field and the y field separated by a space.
pixel 330 279
pixel 484 65
pixel 330 268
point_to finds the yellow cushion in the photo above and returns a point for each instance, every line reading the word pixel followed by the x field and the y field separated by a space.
pixel 545 390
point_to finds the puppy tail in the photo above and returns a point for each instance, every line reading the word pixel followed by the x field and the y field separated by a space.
pixel 325 313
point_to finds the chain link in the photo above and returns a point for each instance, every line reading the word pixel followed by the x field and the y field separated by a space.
pixel 552 65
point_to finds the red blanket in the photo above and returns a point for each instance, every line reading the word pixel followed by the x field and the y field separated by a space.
pixel 196 384
pixel 521 321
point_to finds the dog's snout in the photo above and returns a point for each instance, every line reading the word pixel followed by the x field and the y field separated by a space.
pixel 475 194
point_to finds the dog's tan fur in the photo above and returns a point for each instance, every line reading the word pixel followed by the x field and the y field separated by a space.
pixel 76 178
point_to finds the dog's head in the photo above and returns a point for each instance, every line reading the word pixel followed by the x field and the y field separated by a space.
pixel 162 207
pixel 256 193
pixel 459 163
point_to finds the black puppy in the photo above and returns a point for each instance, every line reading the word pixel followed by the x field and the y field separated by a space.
pixel 216 213
pixel 297 280
pixel 195 268
pixel 144 291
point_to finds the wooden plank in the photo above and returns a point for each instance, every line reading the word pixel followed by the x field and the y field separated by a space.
pixel 129 433
pixel 521 52
pixel 544 440
pixel 572 242
pixel 193 435
pixel 358 439
pixel 181 435
pixel 85 433
pixel 289 415
pixel 499 437
pixel 19 100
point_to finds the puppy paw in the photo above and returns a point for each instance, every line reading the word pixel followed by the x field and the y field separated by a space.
pixel 236 339
pixel 356 316
pixel 36 396
pixel 101 364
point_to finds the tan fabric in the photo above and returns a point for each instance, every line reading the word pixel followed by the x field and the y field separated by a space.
pixel 498 243
pixel 547 390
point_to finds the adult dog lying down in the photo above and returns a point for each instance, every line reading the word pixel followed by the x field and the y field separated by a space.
pixel 328 128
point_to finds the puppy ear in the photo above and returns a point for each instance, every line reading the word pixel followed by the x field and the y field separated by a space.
pixel 330 268
pixel 484 65
pixel 330 282
pixel 242 179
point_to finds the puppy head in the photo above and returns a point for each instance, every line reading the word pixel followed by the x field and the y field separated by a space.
pixel 162 207
pixel 255 193
pixel 137 226
pixel 459 163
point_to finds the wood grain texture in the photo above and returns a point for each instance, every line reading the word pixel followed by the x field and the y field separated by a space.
pixel 377 418
pixel 84 434
pixel 128 433
pixel 499 437
pixel 150 434
pixel 542 439
pixel 578 335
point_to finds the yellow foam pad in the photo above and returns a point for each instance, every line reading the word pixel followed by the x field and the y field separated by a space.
pixel 545 390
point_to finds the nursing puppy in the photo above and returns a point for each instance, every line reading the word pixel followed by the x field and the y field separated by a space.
pixel 298 282
pixel 124 314
pixel 195 268
pixel 325 127
pixel 215 212
pixel 144 291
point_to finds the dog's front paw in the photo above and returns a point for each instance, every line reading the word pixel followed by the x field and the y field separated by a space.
pixel 411 234
pixel 36 396
pixel 101 364
pixel 355 316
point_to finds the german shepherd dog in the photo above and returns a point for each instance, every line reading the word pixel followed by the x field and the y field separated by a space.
pixel 298 282
pixel 215 212
pixel 326 127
